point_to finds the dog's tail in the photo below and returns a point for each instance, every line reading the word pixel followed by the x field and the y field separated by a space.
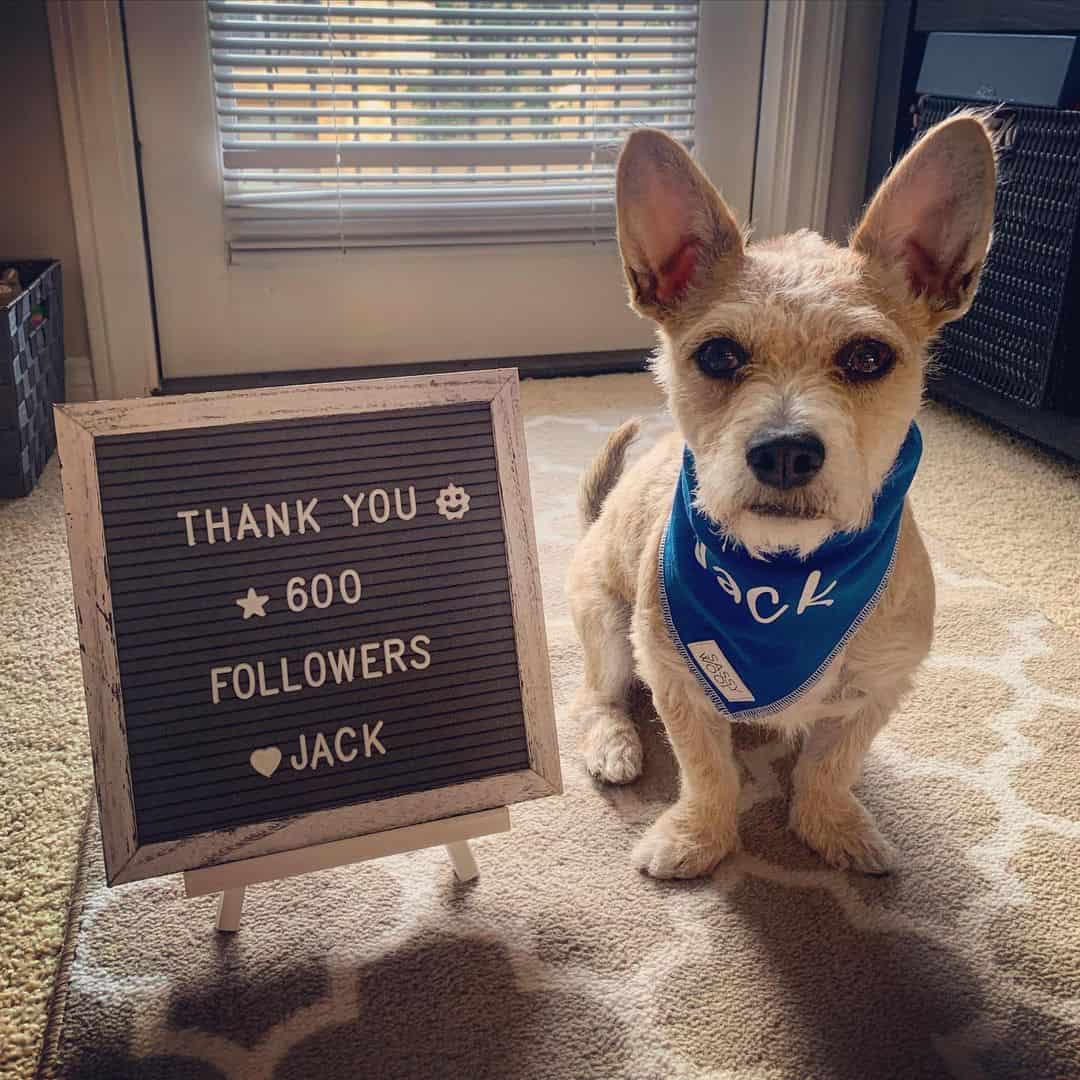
pixel 602 475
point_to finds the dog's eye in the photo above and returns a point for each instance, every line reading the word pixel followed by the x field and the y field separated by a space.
pixel 720 358
pixel 864 359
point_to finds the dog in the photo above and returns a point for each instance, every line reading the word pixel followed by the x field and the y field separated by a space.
pixel 793 370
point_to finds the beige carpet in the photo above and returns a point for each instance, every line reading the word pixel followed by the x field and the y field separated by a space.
pixel 560 961
pixel 44 763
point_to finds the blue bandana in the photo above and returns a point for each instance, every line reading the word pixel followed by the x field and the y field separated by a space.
pixel 758 633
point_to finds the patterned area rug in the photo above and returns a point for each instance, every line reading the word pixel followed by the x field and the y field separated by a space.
pixel 561 961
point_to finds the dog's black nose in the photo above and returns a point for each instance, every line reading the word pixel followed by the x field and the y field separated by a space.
pixel 785 459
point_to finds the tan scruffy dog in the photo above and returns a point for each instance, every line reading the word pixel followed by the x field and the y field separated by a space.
pixel 793 369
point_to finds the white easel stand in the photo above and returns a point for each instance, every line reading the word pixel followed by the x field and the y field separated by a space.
pixel 462 860
pixel 231 879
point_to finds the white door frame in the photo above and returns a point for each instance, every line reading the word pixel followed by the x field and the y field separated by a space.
pixel 800 98
pixel 819 66
pixel 95 113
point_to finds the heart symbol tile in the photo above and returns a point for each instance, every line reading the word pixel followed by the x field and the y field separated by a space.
pixel 266 760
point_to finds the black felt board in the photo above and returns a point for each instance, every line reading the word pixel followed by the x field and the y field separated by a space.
pixel 456 716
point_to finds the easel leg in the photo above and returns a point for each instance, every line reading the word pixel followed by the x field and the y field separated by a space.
pixel 230 905
pixel 229 879
pixel 463 860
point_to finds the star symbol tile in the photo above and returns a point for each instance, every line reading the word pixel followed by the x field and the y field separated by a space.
pixel 253 603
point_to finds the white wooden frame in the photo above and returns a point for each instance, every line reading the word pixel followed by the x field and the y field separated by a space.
pixel 95 113
pixel 800 93
pixel 800 98
pixel 817 92
pixel 78 426
pixel 728 84
pixel 86 39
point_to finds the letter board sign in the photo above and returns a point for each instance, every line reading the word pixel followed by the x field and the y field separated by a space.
pixel 305 614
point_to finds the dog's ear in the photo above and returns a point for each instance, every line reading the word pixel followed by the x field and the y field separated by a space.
pixel 673 225
pixel 932 216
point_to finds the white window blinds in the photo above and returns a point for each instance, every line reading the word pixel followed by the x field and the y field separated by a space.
pixel 358 124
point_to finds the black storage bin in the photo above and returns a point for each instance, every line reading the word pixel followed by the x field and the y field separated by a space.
pixel 1023 325
pixel 31 373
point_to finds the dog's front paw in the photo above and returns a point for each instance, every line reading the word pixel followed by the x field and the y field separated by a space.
pixel 844 835
pixel 612 747
pixel 682 843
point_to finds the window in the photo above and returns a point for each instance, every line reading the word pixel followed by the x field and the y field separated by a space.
pixel 363 124
pixel 334 185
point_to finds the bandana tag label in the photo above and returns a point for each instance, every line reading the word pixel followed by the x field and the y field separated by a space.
pixel 720 673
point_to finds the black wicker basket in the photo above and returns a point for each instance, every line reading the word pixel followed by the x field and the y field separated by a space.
pixel 31 374
pixel 1018 335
